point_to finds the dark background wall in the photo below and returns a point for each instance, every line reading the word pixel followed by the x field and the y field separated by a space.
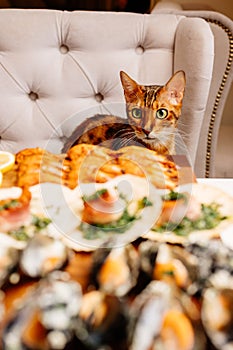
pixel 101 5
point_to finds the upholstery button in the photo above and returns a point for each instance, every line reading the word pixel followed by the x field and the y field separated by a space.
pixel 33 96
pixel 99 97
pixel 139 50
pixel 64 49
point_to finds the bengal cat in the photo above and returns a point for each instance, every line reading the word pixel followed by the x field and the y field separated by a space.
pixel 152 115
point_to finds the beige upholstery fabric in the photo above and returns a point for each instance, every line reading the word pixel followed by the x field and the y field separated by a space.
pixel 57 68
pixel 167 5
pixel 175 6
pixel 209 160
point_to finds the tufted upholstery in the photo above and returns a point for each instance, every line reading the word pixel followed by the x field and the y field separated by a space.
pixel 57 68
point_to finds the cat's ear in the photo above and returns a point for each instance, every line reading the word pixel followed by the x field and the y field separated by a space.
pixel 174 89
pixel 131 88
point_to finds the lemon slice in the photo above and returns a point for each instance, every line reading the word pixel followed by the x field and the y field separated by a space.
pixel 7 161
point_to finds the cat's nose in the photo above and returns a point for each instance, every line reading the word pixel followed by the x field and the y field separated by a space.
pixel 146 132
pixel 150 134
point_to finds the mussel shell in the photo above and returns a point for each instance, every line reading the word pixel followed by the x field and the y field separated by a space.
pixel 158 321
pixel 211 257
pixel 168 263
pixel 9 257
pixel 148 252
pixel 12 334
pixel 217 316
pixel 47 313
pixel 102 321
pixel 42 255
pixel 146 315
pixel 115 270
pixel 59 300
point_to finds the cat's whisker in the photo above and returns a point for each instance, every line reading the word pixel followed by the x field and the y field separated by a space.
pixel 183 126
pixel 125 137
pixel 125 142
pixel 178 135
pixel 183 134
pixel 123 132
pixel 181 148
pixel 164 135
pixel 129 134
pixel 179 142
pixel 184 138
pixel 183 123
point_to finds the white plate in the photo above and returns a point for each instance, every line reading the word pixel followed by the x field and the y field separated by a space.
pixel 205 194
pixel 227 236
pixel 64 206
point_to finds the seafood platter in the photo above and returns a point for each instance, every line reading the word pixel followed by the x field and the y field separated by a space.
pixel 113 250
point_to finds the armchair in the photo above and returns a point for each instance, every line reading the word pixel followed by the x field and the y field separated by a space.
pixel 215 143
pixel 57 68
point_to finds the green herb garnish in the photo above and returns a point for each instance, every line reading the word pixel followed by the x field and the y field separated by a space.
pixel 144 202
pixel 168 273
pixel 210 217
pixel 172 196
pixel 40 223
pixel 20 234
pixel 23 233
pixel 100 230
pixel 94 231
pixel 95 195
pixel 13 203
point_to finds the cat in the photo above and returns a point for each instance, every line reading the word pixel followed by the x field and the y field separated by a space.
pixel 152 115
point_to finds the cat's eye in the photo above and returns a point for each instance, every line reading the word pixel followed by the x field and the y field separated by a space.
pixel 137 113
pixel 161 113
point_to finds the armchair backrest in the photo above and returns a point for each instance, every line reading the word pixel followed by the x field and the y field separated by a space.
pixel 221 82
pixel 57 68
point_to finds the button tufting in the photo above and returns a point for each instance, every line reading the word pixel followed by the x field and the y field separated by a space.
pixel 64 49
pixel 139 50
pixel 99 97
pixel 33 96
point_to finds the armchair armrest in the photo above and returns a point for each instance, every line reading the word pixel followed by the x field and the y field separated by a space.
pixel 222 77
pixel 167 5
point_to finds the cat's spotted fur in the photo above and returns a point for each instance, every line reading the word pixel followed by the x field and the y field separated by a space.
pixel 152 115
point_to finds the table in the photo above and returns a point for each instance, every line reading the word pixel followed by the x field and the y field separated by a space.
pixel 224 184
pixel 80 264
